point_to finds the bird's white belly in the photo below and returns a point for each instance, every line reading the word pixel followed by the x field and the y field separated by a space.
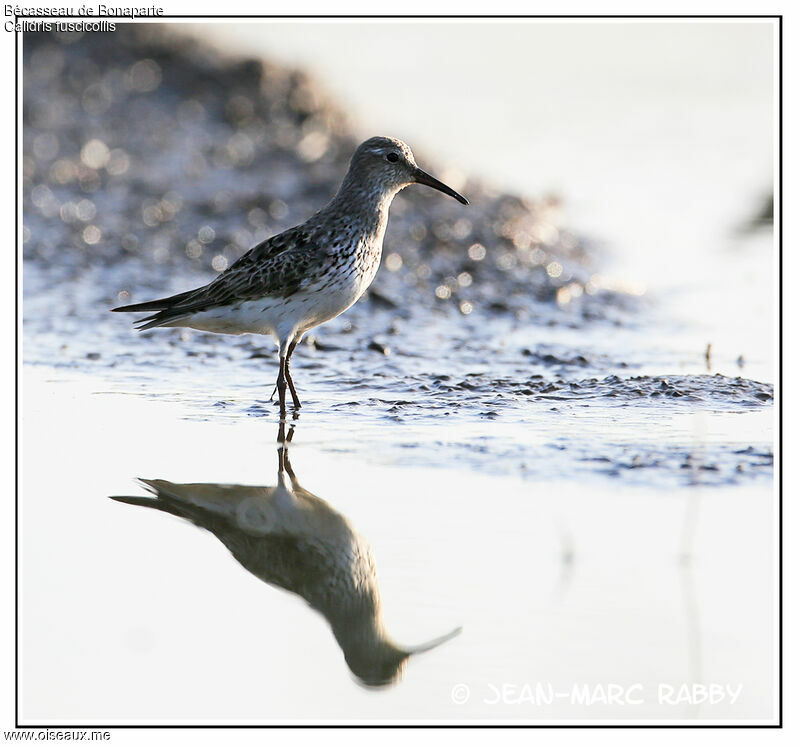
pixel 323 302
pixel 283 318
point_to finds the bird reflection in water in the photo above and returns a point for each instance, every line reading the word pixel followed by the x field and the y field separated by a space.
pixel 292 539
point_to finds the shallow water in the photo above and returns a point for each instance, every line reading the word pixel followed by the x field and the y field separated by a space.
pixel 556 582
pixel 580 516
pixel 463 384
pixel 562 468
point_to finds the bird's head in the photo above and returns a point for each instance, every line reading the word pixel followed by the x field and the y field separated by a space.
pixel 389 163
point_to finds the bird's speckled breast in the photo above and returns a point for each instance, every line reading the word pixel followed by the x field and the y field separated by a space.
pixel 350 273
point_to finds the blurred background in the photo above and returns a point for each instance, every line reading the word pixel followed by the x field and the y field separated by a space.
pixel 641 124
pixel 659 136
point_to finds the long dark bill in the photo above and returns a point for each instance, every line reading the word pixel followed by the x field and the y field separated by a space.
pixel 421 177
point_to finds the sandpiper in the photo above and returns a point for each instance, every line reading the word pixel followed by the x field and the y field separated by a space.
pixel 309 274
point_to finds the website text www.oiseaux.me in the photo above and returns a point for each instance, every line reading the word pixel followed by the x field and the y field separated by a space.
pixel 57 735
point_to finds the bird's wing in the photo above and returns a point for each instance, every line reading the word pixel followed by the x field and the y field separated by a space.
pixel 276 267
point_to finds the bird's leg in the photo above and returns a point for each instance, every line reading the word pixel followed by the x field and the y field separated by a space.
pixel 281 385
pixel 295 398
pixel 286 463
pixel 283 438
pixel 283 449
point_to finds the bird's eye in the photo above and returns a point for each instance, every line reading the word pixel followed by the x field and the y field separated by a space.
pixel 392 157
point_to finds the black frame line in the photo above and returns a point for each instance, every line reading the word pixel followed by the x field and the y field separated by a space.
pixel 503 725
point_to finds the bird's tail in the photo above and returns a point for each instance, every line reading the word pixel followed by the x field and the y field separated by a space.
pixel 150 502
pixel 167 310
pixel 155 305
pixel 167 497
pixel 166 317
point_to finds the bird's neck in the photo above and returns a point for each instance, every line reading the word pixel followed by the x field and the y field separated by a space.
pixel 365 207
